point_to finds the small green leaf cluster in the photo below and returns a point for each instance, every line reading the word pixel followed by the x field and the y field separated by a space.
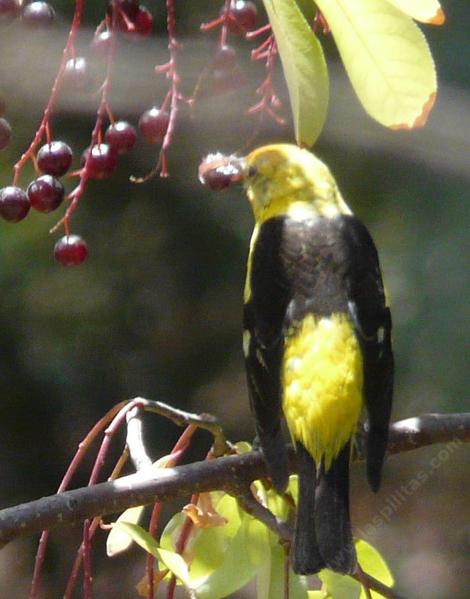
pixel 220 559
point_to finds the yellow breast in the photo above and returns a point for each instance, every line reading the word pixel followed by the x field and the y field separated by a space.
pixel 322 376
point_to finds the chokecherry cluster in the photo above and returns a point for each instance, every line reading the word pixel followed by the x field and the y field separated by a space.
pixel 46 192
pixel 54 159
pixel 111 137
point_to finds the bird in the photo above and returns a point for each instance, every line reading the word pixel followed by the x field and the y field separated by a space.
pixel 316 342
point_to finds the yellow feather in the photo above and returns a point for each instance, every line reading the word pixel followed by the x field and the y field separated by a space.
pixel 323 384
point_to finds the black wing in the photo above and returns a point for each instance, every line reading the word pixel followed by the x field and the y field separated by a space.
pixel 264 343
pixel 373 325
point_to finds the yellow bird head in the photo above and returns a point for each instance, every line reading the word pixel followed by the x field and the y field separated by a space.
pixel 283 178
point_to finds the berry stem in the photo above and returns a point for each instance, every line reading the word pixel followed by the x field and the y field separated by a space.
pixel 224 28
pixel 269 104
pixel 173 97
pixel 175 81
pixel 103 109
pixel 251 35
pixel 44 126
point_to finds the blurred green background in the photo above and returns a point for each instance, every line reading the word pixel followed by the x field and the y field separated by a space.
pixel 156 309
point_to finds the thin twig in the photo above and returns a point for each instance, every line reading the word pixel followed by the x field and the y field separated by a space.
pixel 372 584
pixel 182 418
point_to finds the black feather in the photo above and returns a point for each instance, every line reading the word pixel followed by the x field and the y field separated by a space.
pixel 305 556
pixel 323 537
pixel 332 521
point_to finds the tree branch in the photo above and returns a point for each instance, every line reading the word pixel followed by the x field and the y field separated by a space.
pixel 231 474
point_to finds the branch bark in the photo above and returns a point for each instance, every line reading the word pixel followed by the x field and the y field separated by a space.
pixel 230 474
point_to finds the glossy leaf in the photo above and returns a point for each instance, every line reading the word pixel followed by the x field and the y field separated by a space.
pixel 223 558
pixel 304 68
pixel 373 563
pixel 427 11
pixel 270 579
pixel 387 60
pixel 345 587
pixel 339 586
pixel 170 559
pixel 119 541
pixel 308 9
pixel 243 552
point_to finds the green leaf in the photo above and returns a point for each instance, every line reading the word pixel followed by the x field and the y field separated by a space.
pixel 344 587
pixel 119 541
pixel 318 595
pixel 223 558
pixel 245 545
pixel 171 560
pixel 270 579
pixel 308 9
pixel 427 11
pixel 387 60
pixel 373 563
pixel 339 586
pixel 304 68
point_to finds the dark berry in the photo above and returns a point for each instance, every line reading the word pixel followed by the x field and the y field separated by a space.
pixel 102 162
pixel 77 74
pixel 38 14
pixel 101 43
pixel 153 124
pixel 70 250
pixel 225 58
pixel 55 158
pixel 9 9
pixel 14 204
pixel 5 133
pixel 143 23
pixel 218 171
pixel 225 81
pixel 45 193
pixel 121 136
pixel 218 179
pixel 243 16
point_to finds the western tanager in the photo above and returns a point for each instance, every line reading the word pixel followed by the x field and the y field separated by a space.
pixel 316 340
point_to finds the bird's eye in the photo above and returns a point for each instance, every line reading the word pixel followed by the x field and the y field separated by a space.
pixel 252 171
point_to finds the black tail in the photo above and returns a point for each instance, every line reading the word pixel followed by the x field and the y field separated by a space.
pixel 306 557
pixel 275 454
pixel 323 537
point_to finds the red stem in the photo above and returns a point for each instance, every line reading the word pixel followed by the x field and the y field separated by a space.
pixel 175 81
pixel 180 447
pixel 110 431
pixel 103 109
pixel 224 28
pixel 87 567
pixel 44 125
pixel 74 464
